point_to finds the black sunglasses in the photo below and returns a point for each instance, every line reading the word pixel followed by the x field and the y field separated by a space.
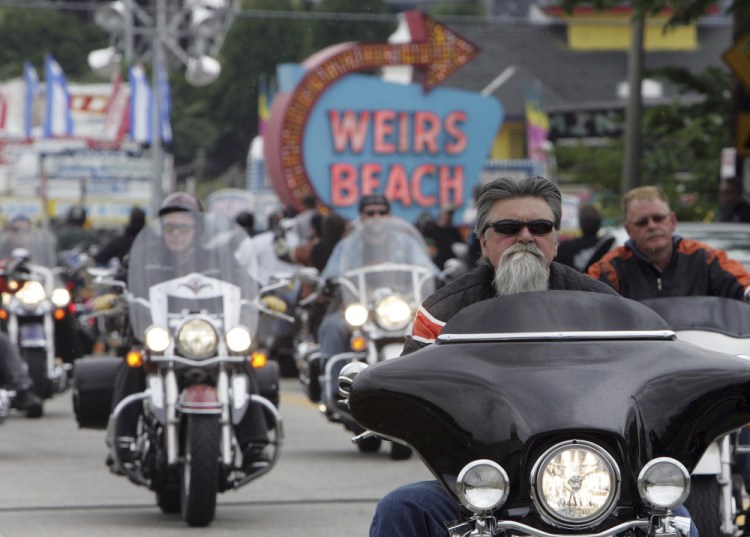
pixel 511 228
pixel 657 218
pixel 373 212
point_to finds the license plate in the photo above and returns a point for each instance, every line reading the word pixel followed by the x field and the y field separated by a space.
pixel 31 334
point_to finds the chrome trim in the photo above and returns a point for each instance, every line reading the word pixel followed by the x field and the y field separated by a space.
pixel 537 336
pixel 161 358
pixel 558 520
pixel 523 529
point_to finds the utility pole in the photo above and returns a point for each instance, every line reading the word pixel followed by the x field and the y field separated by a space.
pixel 631 161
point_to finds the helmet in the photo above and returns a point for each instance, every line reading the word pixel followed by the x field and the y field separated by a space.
pixel 180 201
pixel 76 215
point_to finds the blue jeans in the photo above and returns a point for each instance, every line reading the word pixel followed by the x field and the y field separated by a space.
pixel 421 510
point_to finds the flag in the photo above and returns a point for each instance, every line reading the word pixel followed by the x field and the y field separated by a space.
pixel 165 102
pixel 140 105
pixel 31 79
pixel 537 125
pixel 265 97
pixel 3 110
pixel 116 112
pixel 58 120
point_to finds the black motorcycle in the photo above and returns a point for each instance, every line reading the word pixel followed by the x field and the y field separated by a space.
pixel 557 413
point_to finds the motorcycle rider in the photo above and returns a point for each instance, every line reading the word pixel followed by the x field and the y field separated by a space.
pixel 14 373
pixel 333 333
pixel 656 262
pixel 182 219
pixel 517 227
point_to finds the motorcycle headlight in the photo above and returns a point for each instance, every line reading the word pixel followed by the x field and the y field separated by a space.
pixel 238 340
pixel 482 486
pixel 157 339
pixel 60 297
pixel 197 339
pixel 664 482
pixel 393 313
pixel 575 484
pixel 356 315
pixel 31 294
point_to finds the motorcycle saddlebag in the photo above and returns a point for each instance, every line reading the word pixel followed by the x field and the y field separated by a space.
pixel 268 381
pixel 93 383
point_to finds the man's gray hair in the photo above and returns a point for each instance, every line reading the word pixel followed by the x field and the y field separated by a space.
pixel 504 188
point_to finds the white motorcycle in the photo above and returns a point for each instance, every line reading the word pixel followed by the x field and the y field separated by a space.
pixel 718 324
pixel 202 378
pixel 381 273
pixel 33 315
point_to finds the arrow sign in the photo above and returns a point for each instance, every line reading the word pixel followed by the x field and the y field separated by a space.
pixel 435 49
pixel 737 57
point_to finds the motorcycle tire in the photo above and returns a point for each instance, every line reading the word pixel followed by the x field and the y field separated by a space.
pixel 400 452
pixel 199 480
pixel 168 500
pixel 704 504
pixel 36 360
pixel 369 445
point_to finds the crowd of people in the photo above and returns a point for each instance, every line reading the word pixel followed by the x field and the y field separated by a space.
pixel 516 237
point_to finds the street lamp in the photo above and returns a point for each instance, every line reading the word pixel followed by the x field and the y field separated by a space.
pixel 188 29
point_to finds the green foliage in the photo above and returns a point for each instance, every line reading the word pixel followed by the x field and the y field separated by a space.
pixel 681 146
pixel 28 34
pixel 443 8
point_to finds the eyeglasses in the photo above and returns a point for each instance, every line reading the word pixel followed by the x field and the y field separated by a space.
pixel 19 230
pixel 511 228
pixel 177 229
pixel 375 212
pixel 657 218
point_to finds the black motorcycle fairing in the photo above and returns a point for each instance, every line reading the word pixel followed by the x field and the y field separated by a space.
pixel 554 311
pixel 713 313
pixel 509 401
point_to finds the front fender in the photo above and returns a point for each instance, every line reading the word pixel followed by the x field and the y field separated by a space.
pixel 199 399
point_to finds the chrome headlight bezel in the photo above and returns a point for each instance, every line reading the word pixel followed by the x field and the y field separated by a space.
pixel 197 338
pixel 495 486
pixel 31 295
pixel 667 473
pixel 157 339
pixel 393 312
pixel 356 315
pixel 60 297
pixel 238 340
pixel 539 484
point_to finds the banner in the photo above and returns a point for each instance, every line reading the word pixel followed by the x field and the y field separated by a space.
pixel 537 125
pixel 58 121
pixel 140 105
pixel 165 102
pixel 31 80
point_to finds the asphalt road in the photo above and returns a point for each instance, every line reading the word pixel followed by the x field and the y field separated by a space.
pixel 53 481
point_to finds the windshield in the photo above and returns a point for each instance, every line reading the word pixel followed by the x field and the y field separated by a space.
pixel 40 243
pixel 381 255
pixel 188 263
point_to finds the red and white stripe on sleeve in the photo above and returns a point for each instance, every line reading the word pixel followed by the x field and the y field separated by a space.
pixel 426 328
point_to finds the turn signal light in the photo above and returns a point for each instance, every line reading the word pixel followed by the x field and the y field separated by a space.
pixel 258 360
pixel 59 314
pixel 134 359
pixel 357 343
pixel 4 315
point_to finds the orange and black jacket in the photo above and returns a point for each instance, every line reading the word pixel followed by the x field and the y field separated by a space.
pixel 695 269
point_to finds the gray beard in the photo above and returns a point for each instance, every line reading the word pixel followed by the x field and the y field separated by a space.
pixel 522 268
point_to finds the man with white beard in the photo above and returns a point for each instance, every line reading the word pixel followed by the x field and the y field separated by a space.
pixel 517 226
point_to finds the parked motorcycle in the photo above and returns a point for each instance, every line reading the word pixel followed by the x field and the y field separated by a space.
pixel 197 327
pixel 33 316
pixel 381 273
pixel 540 420
pixel 723 325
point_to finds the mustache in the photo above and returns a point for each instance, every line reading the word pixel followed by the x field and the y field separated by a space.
pixel 523 247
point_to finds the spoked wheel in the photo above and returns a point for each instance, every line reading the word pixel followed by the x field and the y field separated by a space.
pixel 199 483
pixel 705 503
pixel 36 359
